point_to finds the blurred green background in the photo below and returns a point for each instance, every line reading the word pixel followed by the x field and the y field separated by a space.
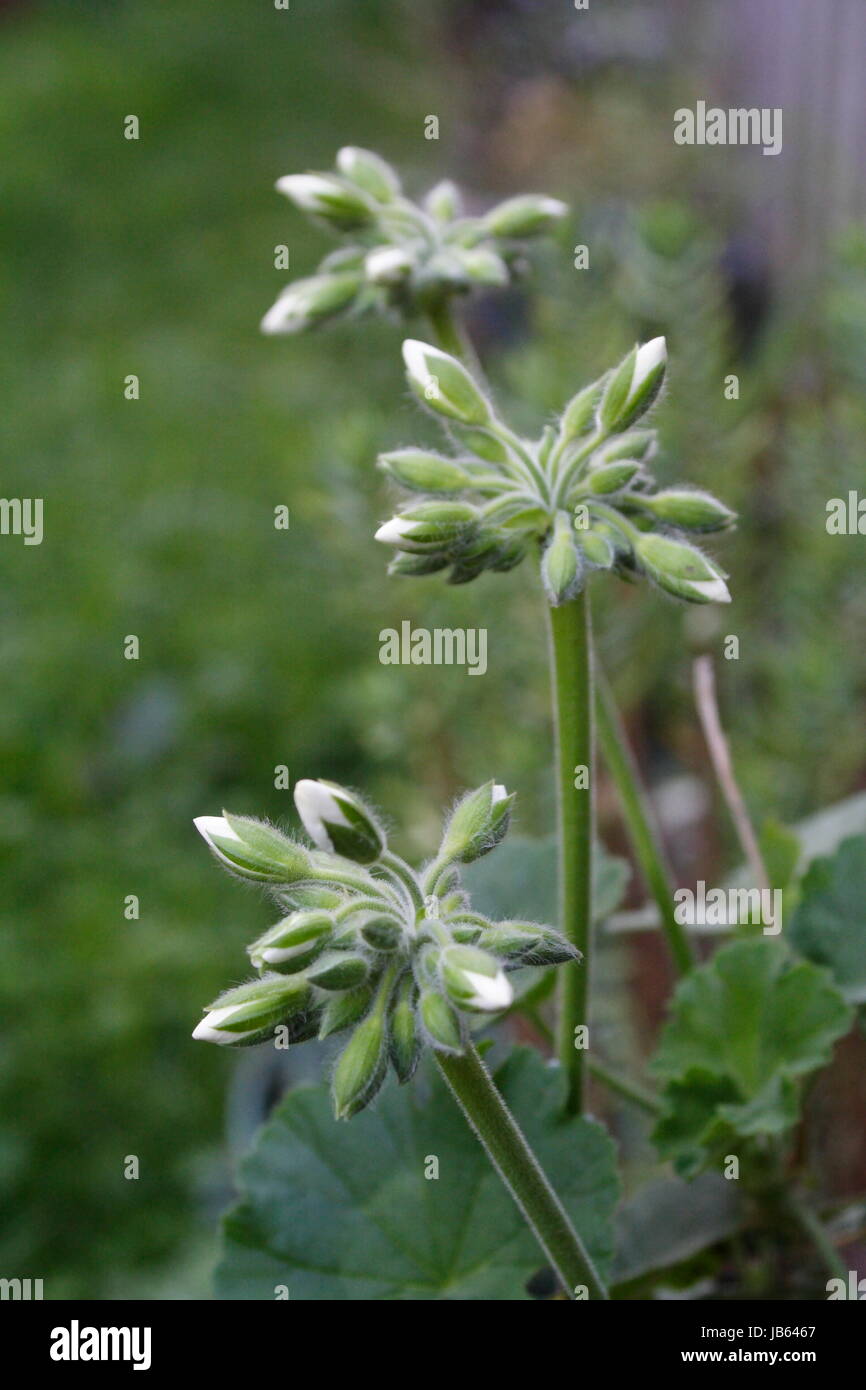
pixel 260 647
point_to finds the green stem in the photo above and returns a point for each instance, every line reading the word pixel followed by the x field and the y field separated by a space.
pixel 811 1227
pixel 404 875
pixel 621 1086
pixel 639 818
pixel 571 667
pixel 519 1169
pixel 451 337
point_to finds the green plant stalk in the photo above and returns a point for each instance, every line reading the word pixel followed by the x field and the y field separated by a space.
pixel 571 660
pixel 640 820
pixel 810 1225
pixel 520 1171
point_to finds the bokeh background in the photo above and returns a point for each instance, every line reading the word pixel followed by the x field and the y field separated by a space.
pixel 260 647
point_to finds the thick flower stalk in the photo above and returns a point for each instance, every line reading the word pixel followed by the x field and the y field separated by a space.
pixel 581 495
pixel 367 944
pixel 581 498
pixel 399 256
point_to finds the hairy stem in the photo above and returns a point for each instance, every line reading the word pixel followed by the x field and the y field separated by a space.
pixel 451 336
pixel 519 1169
pixel 572 681
pixel 640 821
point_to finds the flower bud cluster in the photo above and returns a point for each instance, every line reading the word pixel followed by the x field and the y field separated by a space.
pixel 582 493
pixel 366 944
pixel 399 255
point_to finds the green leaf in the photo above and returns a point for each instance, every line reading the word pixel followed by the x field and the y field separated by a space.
pixel 519 881
pixel 780 851
pixel 669 1221
pixel 344 1211
pixel 744 1028
pixel 829 925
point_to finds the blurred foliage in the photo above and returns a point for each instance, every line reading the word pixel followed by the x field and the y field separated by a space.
pixel 259 647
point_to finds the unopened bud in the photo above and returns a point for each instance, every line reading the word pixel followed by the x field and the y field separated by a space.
pixel 477 824
pixel 382 934
pixel 440 1022
pixel 251 1012
pixel 579 414
pixel 338 821
pixel 444 384
pixel 526 215
pixel 481 266
pixel 444 202
pixel 328 197
pixel 345 1009
pixel 612 477
pixel 424 472
pixel 404 1043
pixel 388 265
pixel 251 849
pixel 369 172
pixel 474 980
pixel 680 569
pixel 429 525
pixel 634 385
pixel 561 567
pixel 339 970
pixel 689 508
pixel 293 943
pixel 309 302
pixel 361 1067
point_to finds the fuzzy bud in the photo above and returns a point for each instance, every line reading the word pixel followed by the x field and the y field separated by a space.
pixel 680 569
pixel 251 849
pixel 689 508
pixel 440 1022
pixel 369 172
pixel 250 1013
pixel 361 1067
pixel 474 980
pixel 424 472
pixel 338 821
pixel 477 824
pixel 526 215
pixel 327 197
pixel 633 386
pixel 293 943
pixel 309 302
pixel 444 384
pixel 561 567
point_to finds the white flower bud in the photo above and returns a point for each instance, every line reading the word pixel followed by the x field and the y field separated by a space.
pixel 309 302
pixel 444 384
pixel 250 1013
pixel 338 822
pixel 328 197
pixel 474 980
pixel 681 569
pixel 369 172
pixel 253 849
pixel 388 265
pixel 477 824
pixel 526 215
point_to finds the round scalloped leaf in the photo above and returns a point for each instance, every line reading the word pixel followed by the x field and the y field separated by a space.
pixel 352 1211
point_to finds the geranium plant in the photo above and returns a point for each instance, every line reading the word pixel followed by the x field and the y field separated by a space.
pixel 401 962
